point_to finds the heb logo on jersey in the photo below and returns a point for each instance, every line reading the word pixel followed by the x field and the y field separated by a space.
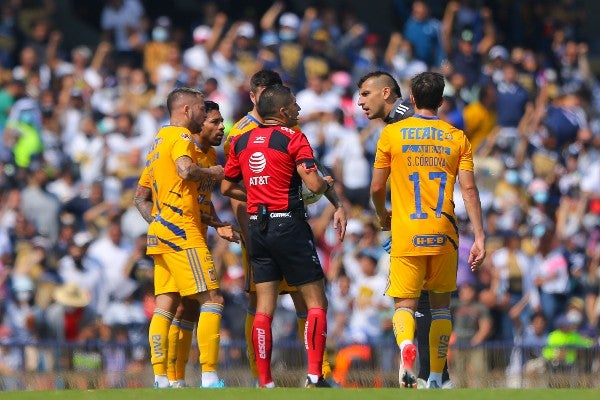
pixel 429 240
pixel 151 241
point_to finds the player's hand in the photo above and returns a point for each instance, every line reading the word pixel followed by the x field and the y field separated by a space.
pixel 228 233
pixel 477 255
pixel 217 172
pixel 385 220
pixel 339 222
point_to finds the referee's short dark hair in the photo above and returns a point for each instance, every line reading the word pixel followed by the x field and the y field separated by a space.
pixel 272 99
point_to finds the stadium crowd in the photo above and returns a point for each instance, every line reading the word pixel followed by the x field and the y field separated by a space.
pixel 76 125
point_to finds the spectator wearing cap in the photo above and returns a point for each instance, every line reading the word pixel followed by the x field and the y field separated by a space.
pixel 423 32
pixel 466 60
pixel 244 48
pixel 197 57
pixel 84 271
pixel 205 39
pixel 492 70
pixel 563 342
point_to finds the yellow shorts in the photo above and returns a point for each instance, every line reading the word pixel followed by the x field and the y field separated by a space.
pixel 250 286
pixel 409 275
pixel 187 272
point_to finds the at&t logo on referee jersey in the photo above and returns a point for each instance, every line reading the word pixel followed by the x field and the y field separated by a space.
pixel 257 164
pixel 429 240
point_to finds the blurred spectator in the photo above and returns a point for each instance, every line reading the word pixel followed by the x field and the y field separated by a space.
pixel 424 34
pixel 480 117
pixel 38 204
pixel 551 275
pixel 112 252
pixel 472 326
pixel 79 268
pixel 526 357
pixel 122 22
pixel 512 281
pixel 365 324
pixel 563 344
pixel 399 56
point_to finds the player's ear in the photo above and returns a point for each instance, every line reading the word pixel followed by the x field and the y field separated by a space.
pixel 386 92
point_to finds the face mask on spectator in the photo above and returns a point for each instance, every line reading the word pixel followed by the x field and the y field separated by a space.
pixel 540 197
pixel 24 295
pixel 160 34
pixel 287 36
pixel 512 177
pixel 539 230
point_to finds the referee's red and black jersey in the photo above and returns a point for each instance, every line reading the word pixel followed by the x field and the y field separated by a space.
pixel 266 158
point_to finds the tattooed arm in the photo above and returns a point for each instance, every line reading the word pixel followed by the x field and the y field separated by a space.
pixel 143 202
pixel 191 171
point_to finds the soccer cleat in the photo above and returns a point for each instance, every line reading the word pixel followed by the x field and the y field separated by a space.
pixel 433 385
pixel 448 384
pixel 321 383
pixel 406 376
pixel 332 383
pixel 217 385
pixel 421 383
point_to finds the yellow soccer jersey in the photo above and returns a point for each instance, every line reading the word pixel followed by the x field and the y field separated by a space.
pixel 176 225
pixel 206 185
pixel 424 156
pixel 245 124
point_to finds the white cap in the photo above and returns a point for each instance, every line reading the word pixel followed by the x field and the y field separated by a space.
pixel 82 238
pixel 498 52
pixel 202 33
pixel 246 30
pixel 289 20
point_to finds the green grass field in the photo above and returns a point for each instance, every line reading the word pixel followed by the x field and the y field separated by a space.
pixel 306 394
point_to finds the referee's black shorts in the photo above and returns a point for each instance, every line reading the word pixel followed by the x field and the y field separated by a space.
pixel 286 249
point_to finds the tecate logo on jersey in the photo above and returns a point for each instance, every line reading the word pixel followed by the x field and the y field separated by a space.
pixel 257 162
pixel 261 339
